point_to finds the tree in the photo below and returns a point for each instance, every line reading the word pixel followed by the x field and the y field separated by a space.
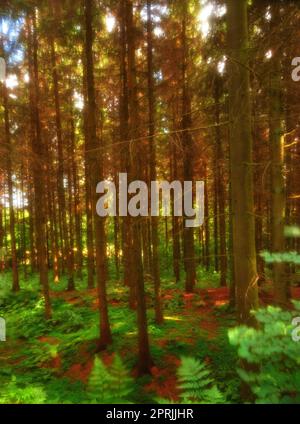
pixel 278 194
pixel 137 276
pixel 14 261
pixel 68 253
pixel 241 167
pixel 153 174
pixel 187 146
pixel 95 169
pixel 38 165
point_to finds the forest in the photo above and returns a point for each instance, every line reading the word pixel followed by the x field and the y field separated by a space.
pixel 152 305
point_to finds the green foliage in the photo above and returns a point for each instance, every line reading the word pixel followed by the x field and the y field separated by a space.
pixel 23 388
pixel 276 377
pixel 196 383
pixel 68 319
pixel 63 391
pixel 71 335
pixel 99 383
pixel 25 319
pixel 207 278
pixel 288 257
pixel 36 354
pixel 292 231
pixel 224 357
pixel 122 383
pixel 175 303
pixel 14 393
pixel 110 385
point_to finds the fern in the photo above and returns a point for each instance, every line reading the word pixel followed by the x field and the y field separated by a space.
pixel 13 393
pixel 122 382
pixel 196 383
pixel 110 385
pixel 99 386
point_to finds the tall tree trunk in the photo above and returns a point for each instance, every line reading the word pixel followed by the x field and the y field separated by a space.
pixel 14 260
pixel 187 144
pixel 77 208
pixel 144 358
pixel 216 219
pixel 220 184
pixel 88 192
pixel 60 174
pixel 258 193
pixel 51 209
pixel 153 176
pixel 241 167
pixel 95 167
pixel 206 222
pixel 277 169
pixel 38 165
pixel 176 248
pixel 125 151
pixel 32 241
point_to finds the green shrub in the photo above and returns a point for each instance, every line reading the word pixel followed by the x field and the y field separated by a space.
pixel 275 354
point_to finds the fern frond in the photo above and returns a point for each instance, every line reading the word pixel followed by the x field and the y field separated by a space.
pixel 99 385
pixel 122 383
pixel 110 385
pixel 196 383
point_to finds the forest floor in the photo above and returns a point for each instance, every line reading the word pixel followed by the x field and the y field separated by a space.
pixel 58 356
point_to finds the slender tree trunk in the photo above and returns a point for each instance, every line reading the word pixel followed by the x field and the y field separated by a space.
pixel 88 192
pixel 144 358
pixel 38 165
pixel 220 186
pixel 71 211
pixel 232 288
pixel 117 246
pixel 60 175
pixel 32 244
pixel 13 243
pixel 206 222
pixel 153 176
pixel 77 209
pixel 187 144
pixel 125 154
pixel 258 194
pixel 277 170
pixel 96 174
pixel 175 219
pixel 216 220
pixel 52 216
